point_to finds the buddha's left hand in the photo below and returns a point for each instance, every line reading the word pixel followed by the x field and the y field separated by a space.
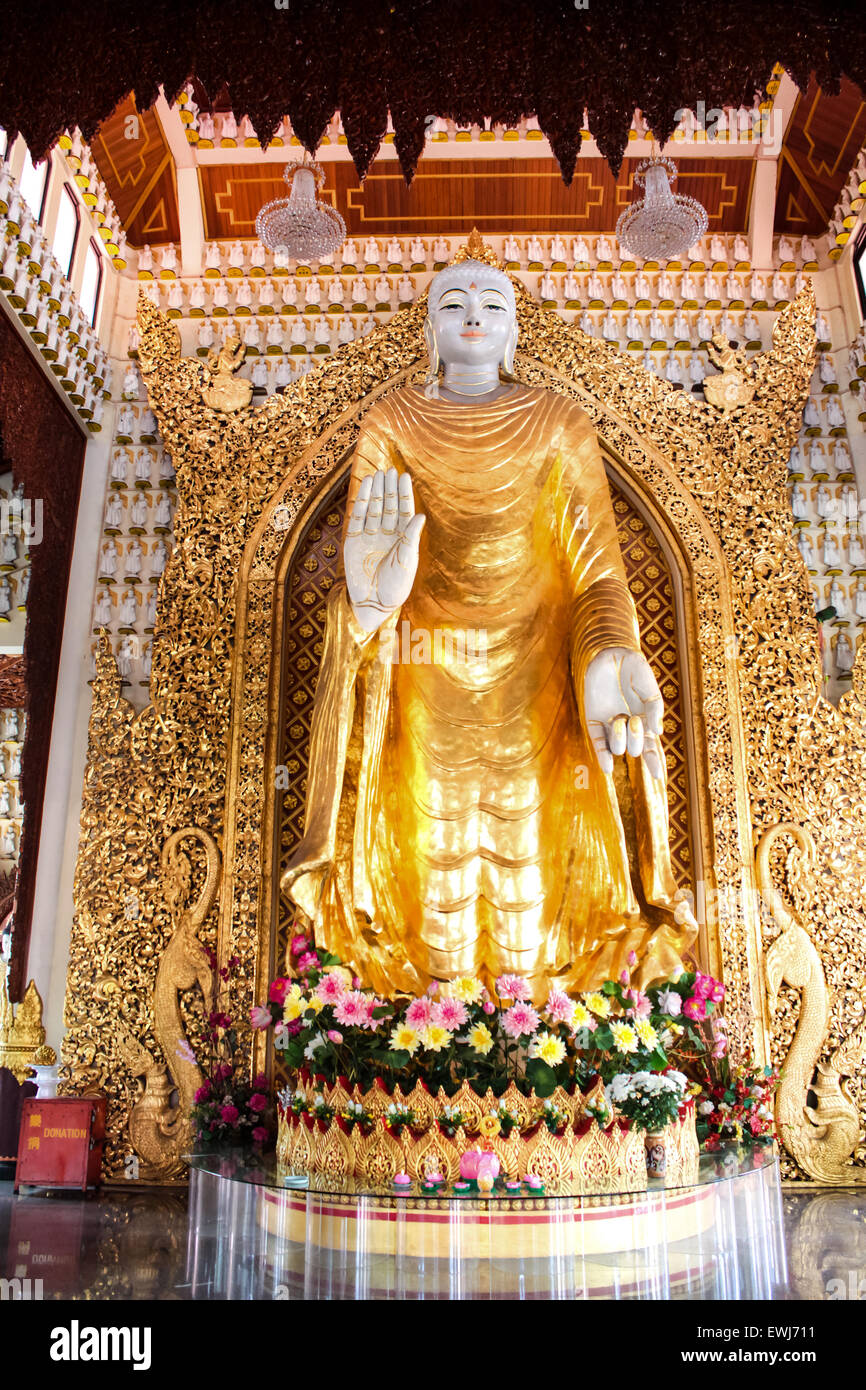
pixel 624 708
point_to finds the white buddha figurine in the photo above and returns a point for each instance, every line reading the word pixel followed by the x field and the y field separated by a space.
pixel 705 328
pixel 166 468
pixel 252 334
pixel 221 296
pixel 741 248
pixel 603 249
pixel 113 513
pixel 145 259
pixel 697 371
pixel 718 249
pixel 212 256
pixel 751 328
pixel 228 127
pixel 158 558
pixel 133 560
pixel 826 370
pixel 322 332
pixel 586 324
pixel 313 292
pixel 168 259
pixel 359 290
pixel 784 250
pixel 298 333
pixel 243 295
pixel 757 286
pixel 557 249
pixel 382 290
pixel 832 556
pixel 778 287
pixel 289 292
pixel 265 296
pixel 609 330
pixel 799 502
pixel 283 374
pixel 125 656
pixel 257 256
pixel 570 287
pixel 665 285
pixel 681 330
pixel 512 250
pixel 579 251
pixel 394 252
pixel 236 256
pixel 441 250
pixel 642 289
pixel 131 383
pixel 348 253
pixel 807 250
pixel 102 608
pixel 206 129
pixel 860 600
pixel 534 249
pixel 418 251
pixel 727 327
pixel 372 254
pixel 816 457
pixel 841 457
pixel 657 329
pixel 619 288
pixel 844 655
pixel 162 511
pixel 345 331
pixel 128 610
pixel 673 370
pixel 710 286
pixel 406 290
pixel 812 414
pixel 595 286
pixel 274 336
pixel 687 285
pixel 547 286
pixel 205 334
pixel 823 499
pixel 108 560
pixel 7 843
pixel 150 608
pixel 633 330
pixel 804 545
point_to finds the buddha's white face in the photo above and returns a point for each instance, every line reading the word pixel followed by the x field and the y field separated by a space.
pixel 472 322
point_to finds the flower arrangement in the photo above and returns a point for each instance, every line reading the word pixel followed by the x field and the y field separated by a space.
pixel 651 1100
pixel 229 1110
pixel 738 1106
pixel 461 1032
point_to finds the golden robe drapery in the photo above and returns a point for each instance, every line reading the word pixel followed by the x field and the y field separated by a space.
pixel 458 821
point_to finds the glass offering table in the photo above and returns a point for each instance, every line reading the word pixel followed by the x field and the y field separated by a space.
pixel 254 1234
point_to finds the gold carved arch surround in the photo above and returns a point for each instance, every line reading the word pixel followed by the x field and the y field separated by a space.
pixel 646 493
pixel 769 754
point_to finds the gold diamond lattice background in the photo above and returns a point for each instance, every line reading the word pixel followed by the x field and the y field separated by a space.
pixel 313 574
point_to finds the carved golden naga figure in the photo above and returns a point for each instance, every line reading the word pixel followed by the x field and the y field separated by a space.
pixel 482 677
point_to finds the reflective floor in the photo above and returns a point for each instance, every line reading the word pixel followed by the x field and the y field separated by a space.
pixel 125 1244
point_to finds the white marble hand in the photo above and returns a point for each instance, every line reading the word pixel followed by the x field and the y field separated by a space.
pixel 380 554
pixel 624 708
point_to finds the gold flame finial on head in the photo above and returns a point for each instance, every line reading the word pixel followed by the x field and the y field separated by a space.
pixel 476 249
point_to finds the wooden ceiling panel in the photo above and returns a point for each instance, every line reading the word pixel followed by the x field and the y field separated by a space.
pixel 820 146
pixel 452 196
pixel 133 157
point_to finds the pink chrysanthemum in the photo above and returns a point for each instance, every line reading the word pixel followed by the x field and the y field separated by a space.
pixel 519 1019
pixel 419 1014
pixel 641 1006
pixel 330 989
pixel 513 987
pixel 351 1010
pixel 450 1013
pixel 559 1007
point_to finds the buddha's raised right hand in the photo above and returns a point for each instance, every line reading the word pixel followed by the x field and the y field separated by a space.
pixel 380 553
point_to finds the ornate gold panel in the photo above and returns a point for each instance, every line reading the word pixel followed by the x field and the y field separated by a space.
pixel 763 747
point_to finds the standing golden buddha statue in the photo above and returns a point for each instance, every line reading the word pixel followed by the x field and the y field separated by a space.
pixel 462 811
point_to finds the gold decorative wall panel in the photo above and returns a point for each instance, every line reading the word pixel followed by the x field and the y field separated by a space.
pixel 765 748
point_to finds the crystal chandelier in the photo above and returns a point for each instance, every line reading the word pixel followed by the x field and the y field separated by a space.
pixel 661 225
pixel 300 225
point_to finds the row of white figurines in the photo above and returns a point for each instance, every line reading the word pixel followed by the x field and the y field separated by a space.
pixel 127 608
pixel 830 550
pixel 142 513
pixel 238 255
pixel 817 456
pixel 849 600
pixel 197 296
pixel 127 562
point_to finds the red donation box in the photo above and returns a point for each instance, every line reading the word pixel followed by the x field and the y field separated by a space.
pixel 60 1142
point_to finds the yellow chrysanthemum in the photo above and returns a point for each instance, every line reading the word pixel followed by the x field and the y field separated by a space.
pixel 293 1007
pixel 466 988
pixel 581 1018
pixel 549 1048
pixel 404 1038
pixel 435 1038
pixel 481 1038
pixel 313 1003
pixel 294 993
pixel 624 1036
pixel 647 1034
pixel 599 1004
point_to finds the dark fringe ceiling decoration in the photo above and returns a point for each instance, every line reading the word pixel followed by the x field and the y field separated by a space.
pixel 464 60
